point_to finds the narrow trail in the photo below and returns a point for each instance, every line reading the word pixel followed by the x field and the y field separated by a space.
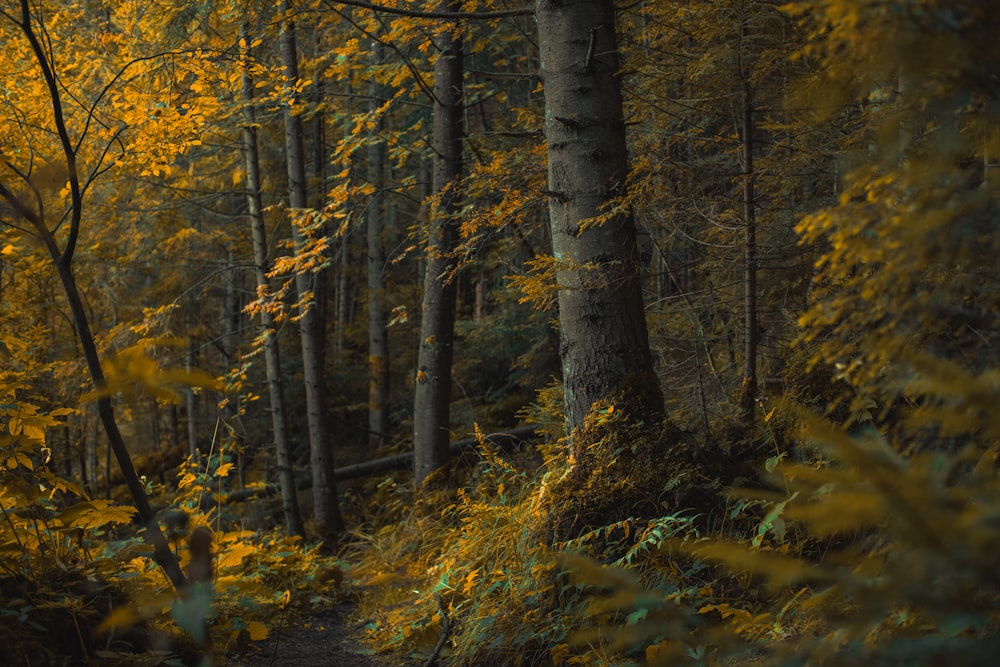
pixel 334 638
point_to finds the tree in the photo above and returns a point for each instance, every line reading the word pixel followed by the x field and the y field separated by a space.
pixel 61 253
pixel 908 250
pixel 432 396
pixel 326 507
pixel 378 329
pixel 604 341
pixel 262 265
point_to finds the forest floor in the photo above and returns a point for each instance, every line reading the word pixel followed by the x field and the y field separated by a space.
pixel 332 638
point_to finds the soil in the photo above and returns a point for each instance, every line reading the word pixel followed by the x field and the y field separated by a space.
pixel 334 638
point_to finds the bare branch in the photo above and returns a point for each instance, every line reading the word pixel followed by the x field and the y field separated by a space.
pixel 76 200
pixel 412 13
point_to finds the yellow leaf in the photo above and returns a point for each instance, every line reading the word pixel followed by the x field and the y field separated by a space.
pixel 258 631
pixel 234 555
pixel 121 618
pixel 25 460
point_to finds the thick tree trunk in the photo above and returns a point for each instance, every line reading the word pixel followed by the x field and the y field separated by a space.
pixel 604 341
pixel 432 398
pixel 326 508
pixel 272 361
pixel 378 328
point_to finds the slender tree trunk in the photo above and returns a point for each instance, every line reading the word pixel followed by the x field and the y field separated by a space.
pixel 326 508
pixel 161 549
pixel 378 327
pixel 154 423
pixel 92 439
pixel 604 341
pixel 230 333
pixel 62 259
pixel 272 361
pixel 191 404
pixel 317 185
pixel 67 455
pixel 432 399
pixel 175 425
pixel 748 392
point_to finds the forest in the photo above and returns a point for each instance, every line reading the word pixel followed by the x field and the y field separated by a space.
pixel 499 332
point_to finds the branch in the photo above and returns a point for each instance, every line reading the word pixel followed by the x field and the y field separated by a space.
pixel 412 13
pixel 19 206
pixel 423 85
pixel 69 151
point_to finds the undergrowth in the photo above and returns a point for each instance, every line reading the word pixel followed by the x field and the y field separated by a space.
pixel 78 583
pixel 843 551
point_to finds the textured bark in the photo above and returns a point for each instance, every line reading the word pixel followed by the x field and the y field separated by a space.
pixel 326 507
pixel 272 360
pixel 378 326
pixel 432 398
pixel 604 342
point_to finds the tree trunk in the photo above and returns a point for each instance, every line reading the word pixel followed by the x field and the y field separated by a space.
pixel 191 404
pixel 748 392
pixel 161 549
pixel 230 337
pixel 378 328
pixel 93 439
pixel 432 398
pixel 272 361
pixel 604 344
pixel 326 508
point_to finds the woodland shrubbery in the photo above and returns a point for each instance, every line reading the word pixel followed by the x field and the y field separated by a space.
pixel 844 549
pixel 798 256
pixel 79 585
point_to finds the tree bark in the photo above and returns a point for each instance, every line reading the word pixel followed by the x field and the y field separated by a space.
pixel 272 360
pixel 326 508
pixel 432 398
pixel 604 344
pixel 378 327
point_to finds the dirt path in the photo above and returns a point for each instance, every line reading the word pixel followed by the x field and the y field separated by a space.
pixel 331 639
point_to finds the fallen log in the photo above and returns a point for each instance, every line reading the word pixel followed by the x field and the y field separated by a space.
pixel 505 441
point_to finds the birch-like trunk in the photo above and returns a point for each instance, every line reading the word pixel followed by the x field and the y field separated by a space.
pixel 272 359
pixel 326 508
